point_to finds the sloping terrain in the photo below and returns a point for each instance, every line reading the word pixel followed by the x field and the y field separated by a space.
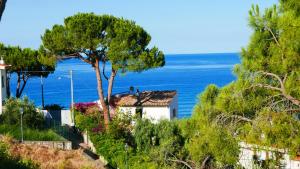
pixel 48 158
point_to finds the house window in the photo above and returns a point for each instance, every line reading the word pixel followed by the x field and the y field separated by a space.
pixel 2 81
pixel 174 113
pixel 139 112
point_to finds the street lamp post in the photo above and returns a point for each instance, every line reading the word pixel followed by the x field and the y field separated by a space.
pixel 72 97
pixel 42 87
pixel 126 158
pixel 21 113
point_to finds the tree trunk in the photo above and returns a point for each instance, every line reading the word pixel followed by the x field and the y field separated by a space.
pixel 2 7
pixel 101 96
pixel 20 89
pixel 23 86
pixel 110 84
pixel 8 85
pixel 18 85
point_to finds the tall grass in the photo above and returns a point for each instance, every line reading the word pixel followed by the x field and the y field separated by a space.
pixel 30 134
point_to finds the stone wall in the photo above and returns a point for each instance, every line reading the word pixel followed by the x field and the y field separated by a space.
pixel 64 145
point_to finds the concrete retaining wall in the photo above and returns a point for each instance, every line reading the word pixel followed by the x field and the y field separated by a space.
pixel 64 145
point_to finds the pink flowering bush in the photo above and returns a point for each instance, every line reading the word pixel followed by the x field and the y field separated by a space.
pixel 84 107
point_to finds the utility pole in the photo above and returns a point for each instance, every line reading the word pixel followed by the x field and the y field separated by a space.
pixel 42 87
pixel 21 113
pixel 72 97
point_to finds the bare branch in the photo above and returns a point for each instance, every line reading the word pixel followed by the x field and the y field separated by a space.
pixel 103 70
pixel 281 89
pixel 178 161
pixel 222 118
pixel 274 76
pixel 182 162
pixel 204 162
pixel 242 118
pixel 267 86
pixel 272 33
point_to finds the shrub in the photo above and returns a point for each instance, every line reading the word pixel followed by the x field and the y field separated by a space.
pixel 53 107
pixel 31 117
pixel 83 107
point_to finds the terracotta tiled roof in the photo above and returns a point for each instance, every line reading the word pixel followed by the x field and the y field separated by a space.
pixel 297 158
pixel 145 98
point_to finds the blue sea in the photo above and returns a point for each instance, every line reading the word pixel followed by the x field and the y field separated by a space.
pixel 189 74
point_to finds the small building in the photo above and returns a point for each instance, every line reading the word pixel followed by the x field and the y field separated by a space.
pixel 154 105
pixel 254 155
pixel 3 83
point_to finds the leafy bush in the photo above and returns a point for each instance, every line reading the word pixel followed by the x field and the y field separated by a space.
pixel 31 117
pixel 83 107
pixel 158 145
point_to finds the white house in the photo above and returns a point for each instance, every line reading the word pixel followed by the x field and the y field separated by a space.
pixel 3 83
pixel 154 105
pixel 249 152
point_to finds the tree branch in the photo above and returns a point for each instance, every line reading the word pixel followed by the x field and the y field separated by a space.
pixel 24 78
pixel 222 118
pixel 274 76
pixel 182 162
pixel 204 162
pixel 275 38
pixel 178 161
pixel 103 70
pixel 74 55
pixel 281 88
pixel 2 7
pixel 267 87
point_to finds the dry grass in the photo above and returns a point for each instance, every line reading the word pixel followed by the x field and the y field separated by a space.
pixel 49 158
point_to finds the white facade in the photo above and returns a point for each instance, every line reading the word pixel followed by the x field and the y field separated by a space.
pixel 3 93
pixel 155 113
pixel 67 118
pixel 248 151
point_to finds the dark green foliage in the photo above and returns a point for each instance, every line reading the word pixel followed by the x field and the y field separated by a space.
pixel 261 106
pixel 107 38
pixel 9 162
pixel 33 121
pixel 149 144
pixel 53 107
pixel 112 149
pixel 97 39
pixel 26 63
pixel 31 117
pixel 214 144
pixel 145 133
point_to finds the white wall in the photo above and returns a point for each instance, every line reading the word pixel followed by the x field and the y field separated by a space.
pixel 152 113
pixel 3 88
pixel 155 113
pixel 247 152
pixel 174 105
pixel 66 117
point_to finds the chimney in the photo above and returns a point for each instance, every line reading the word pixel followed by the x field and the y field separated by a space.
pixel 2 61
pixel 131 90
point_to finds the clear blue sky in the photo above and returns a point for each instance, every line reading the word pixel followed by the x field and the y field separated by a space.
pixel 176 26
